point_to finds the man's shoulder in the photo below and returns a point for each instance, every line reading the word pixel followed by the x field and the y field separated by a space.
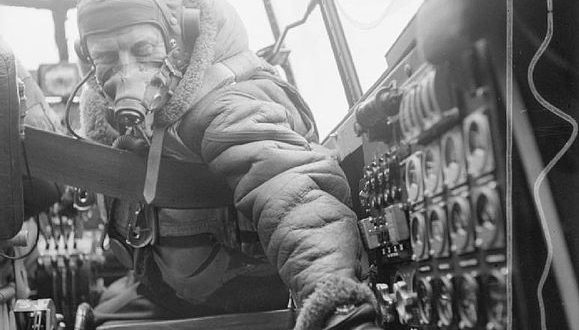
pixel 246 94
pixel 262 87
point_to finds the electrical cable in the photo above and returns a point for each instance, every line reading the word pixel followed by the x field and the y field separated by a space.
pixel 71 98
pixel 543 174
pixel 360 25
pixel 551 56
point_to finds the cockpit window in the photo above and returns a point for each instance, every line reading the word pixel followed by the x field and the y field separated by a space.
pixel 30 34
pixel 371 28
pixel 253 15
pixel 312 60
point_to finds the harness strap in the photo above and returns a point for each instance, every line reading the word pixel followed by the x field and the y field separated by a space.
pixel 153 165
pixel 209 260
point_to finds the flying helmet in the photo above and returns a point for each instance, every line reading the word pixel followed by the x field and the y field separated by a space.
pixel 178 23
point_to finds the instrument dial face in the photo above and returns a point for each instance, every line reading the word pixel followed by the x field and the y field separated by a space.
pixel 418 235
pixel 453 159
pixel 478 142
pixel 467 293
pixel 459 219
pixel 425 300
pixel 432 170
pixel 438 231
pixel 496 301
pixel 444 302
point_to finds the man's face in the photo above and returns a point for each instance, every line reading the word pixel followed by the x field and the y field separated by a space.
pixel 127 65
pixel 140 45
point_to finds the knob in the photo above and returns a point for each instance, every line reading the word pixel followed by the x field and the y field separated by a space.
pixel 378 107
pixel 406 302
pixel 387 303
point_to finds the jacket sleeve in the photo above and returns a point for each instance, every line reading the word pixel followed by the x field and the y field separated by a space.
pixel 294 191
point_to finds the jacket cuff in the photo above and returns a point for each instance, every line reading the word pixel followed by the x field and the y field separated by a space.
pixel 328 295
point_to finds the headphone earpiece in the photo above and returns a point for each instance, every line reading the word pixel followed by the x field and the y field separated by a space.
pixel 190 27
pixel 81 52
pixel 84 62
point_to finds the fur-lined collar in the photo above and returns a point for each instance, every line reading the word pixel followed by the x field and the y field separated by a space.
pixel 204 73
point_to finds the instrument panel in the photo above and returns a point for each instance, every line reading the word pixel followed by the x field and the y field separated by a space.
pixel 429 178
pixel 456 229
pixel 431 195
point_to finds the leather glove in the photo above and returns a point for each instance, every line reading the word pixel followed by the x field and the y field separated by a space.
pixel 353 318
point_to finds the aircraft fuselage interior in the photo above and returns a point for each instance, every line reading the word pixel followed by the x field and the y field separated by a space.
pixel 458 143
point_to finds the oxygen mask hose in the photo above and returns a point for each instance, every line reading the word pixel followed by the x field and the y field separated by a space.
pixel 130 142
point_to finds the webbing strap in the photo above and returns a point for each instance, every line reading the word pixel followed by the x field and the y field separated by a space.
pixel 153 165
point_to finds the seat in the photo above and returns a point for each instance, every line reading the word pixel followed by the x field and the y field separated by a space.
pixel 11 191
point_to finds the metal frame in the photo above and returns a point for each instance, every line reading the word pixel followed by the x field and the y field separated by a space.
pixel 275 29
pixel 341 50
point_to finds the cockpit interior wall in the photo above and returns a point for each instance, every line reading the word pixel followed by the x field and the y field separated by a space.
pixel 462 165
pixel 545 56
pixel 556 76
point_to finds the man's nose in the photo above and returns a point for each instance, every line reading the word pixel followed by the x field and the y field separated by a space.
pixel 125 58
pixel 128 80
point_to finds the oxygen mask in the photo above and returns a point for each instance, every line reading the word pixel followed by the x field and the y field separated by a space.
pixel 138 90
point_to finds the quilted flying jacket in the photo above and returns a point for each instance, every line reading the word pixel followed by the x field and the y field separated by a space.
pixel 237 117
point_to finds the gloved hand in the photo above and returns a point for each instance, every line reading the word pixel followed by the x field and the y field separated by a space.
pixel 351 317
pixel 338 303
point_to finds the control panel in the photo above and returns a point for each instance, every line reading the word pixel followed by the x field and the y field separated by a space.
pixel 461 166
pixel 432 193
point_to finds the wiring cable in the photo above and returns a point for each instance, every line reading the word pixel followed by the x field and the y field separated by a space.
pixel 70 100
pixel 551 56
pixel 543 174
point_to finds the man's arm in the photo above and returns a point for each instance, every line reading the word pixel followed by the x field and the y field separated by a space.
pixel 294 193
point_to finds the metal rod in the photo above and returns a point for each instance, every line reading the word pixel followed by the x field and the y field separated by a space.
pixel 59 18
pixel 275 29
pixel 341 50
pixel 279 41
pixel 273 22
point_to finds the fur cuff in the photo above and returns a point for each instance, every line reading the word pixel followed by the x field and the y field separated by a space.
pixel 332 293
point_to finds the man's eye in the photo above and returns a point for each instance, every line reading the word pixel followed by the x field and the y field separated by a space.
pixel 105 57
pixel 143 49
